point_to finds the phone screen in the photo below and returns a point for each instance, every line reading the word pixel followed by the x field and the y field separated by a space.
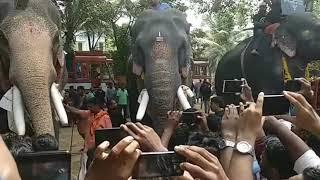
pixel 113 135
pixel 293 86
pixel 232 86
pixel 51 165
pixel 275 105
pixel 160 164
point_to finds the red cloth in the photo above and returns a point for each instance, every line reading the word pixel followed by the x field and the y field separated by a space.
pixel 271 29
pixel 98 121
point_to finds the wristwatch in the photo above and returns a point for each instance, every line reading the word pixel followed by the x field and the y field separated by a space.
pixel 227 143
pixel 245 148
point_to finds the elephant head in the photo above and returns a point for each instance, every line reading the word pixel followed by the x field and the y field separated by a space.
pixel 298 36
pixel 31 61
pixel 161 55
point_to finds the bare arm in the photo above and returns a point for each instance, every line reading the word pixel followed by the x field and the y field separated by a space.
pixel 82 113
pixel 294 144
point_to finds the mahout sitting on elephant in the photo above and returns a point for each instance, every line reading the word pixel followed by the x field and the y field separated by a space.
pixel 161 62
pixel 294 44
pixel 32 69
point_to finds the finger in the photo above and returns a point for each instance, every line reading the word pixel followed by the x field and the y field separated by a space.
pixel 259 104
pixel 131 133
pixel 226 111
pixel 241 107
pixel 192 156
pixel 194 170
pixel 134 128
pixel 204 153
pixel 103 147
pixel 117 149
pixel 303 81
pixel 292 99
pixel 291 119
pixel 169 113
pixel 299 98
pixel 141 126
pixel 131 148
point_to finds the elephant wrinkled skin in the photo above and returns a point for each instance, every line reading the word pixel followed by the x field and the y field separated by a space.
pixel 31 59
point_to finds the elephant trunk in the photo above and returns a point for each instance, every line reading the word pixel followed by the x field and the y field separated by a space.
pixel 162 82
pixel 32 71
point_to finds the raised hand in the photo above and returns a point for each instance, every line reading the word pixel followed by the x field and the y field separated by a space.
pixel 229 123
pixel 203 121
pixel 201 164
pixel 307 118
pixel 148 139
pixel 246 94
pixel 250 122
pixel 306 89
pixel 118 164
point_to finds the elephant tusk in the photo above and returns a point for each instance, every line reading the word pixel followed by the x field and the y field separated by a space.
pixel 18 111
pixel 183 99
pixel 57 102
pixel 187 90
pixel 143 104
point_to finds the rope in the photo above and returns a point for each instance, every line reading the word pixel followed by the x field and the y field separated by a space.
pixel 71 141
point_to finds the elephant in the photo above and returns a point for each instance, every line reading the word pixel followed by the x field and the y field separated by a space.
pixel 294 44
pixel 32 67
pixel 160 64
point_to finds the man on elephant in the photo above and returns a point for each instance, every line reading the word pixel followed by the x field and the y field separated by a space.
pixel 159 6
pixel 274 16
pixel 259 21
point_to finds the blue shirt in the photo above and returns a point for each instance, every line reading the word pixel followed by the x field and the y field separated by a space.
pixel 162 7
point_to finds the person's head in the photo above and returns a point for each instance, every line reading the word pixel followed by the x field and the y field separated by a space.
pixel 81 90
pixel 155 2
pixel 112 105
pixel 263 7
pixel 275 160
pixel 110 85
pixel 217 104
pixel 71 88
pixel 200 80
pixel 18 144
pixel 214 123
pixel 208 140
pixel 93 105
pixel 308 174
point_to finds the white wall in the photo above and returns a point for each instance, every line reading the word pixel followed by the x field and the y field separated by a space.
pixel 82 38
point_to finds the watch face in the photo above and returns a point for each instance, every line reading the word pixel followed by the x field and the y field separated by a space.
pixel 244 147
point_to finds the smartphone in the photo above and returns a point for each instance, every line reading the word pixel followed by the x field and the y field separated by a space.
pixel 113 135
pixel 293 85
pixel 47 165
pixel 158 164
pixel 232 86
pixel 275 105
pixel 190 118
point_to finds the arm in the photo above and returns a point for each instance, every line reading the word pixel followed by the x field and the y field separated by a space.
pixel 9 168
pixel 248 127
pixel 229 122
pixel 82 113
pixel 294 144
pixel 172 124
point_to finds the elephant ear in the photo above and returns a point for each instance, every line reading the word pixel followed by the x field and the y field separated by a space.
pixel 286 41
pixel 185 51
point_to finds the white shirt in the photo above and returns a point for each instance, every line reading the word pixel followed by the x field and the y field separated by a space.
pixel 308 159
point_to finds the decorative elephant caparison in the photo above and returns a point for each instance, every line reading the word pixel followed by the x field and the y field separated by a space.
pixel 296 42
pixel 32 68
pixel 161 61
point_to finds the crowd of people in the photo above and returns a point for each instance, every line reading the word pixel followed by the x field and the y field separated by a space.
pixel 232 142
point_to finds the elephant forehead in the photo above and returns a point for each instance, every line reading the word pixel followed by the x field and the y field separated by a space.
pixel 161 50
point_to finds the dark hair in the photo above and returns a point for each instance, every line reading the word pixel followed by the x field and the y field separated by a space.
pixel 214 122
pixel 219 101
pixel 278 156
pixel 80 88
pixel 311 173
pixel 18 144
pixel 208 140
pixel 314 143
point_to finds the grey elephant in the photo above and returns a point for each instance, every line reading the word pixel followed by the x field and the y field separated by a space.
pixel 161 61
pixel 32 68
